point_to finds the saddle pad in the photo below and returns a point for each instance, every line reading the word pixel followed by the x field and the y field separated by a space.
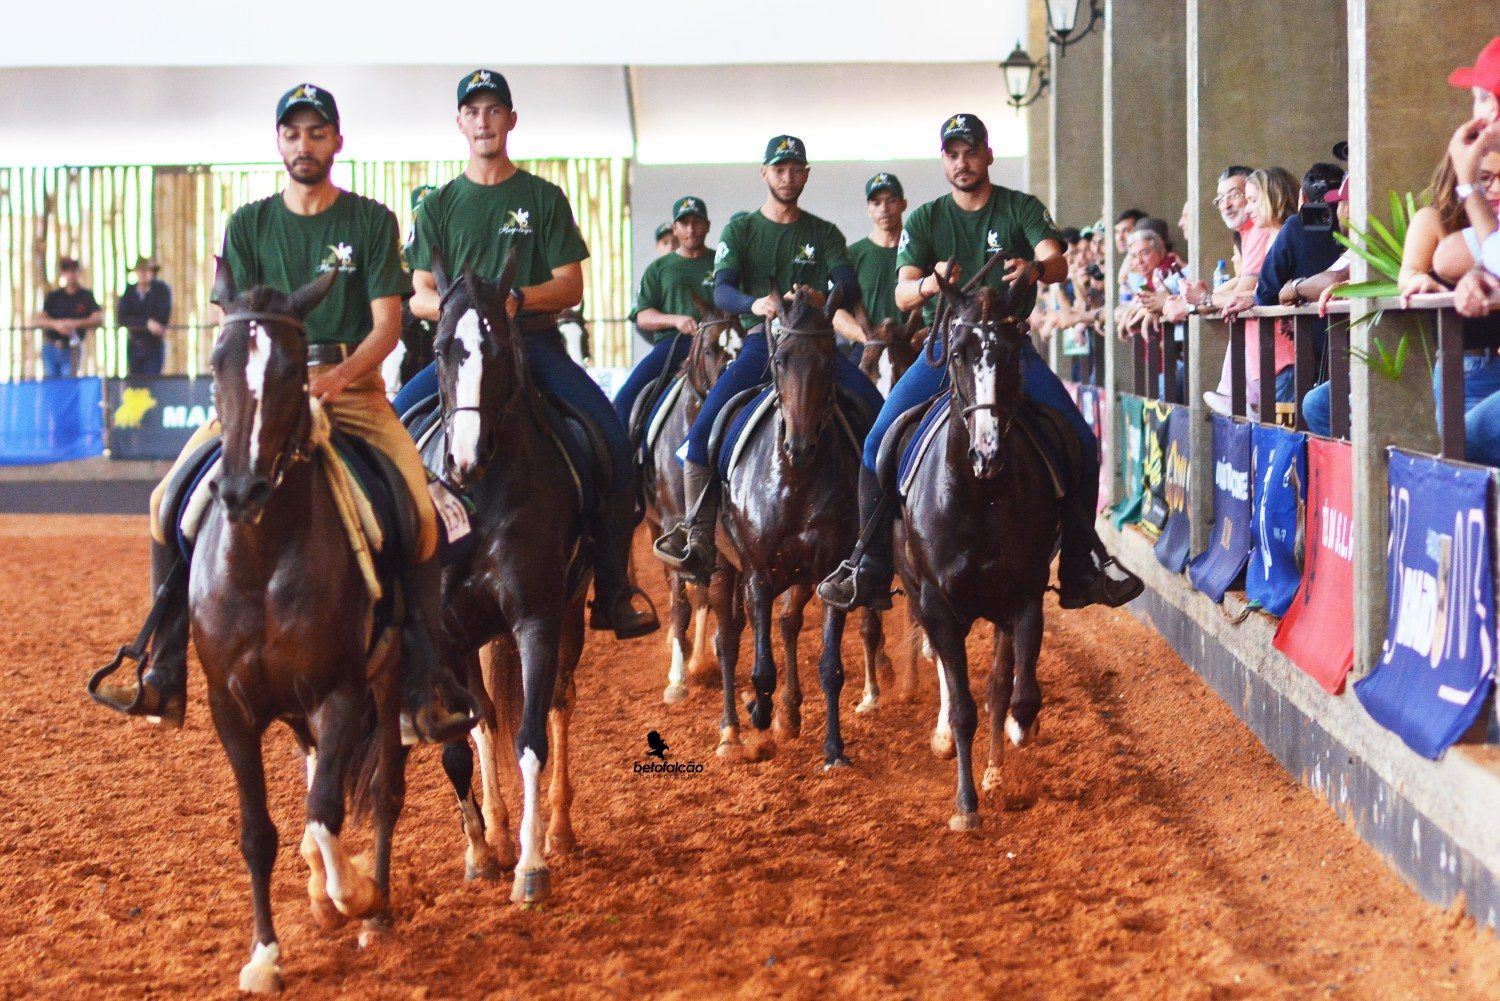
pixel 659 413
pixel 935 422
pixel 749 417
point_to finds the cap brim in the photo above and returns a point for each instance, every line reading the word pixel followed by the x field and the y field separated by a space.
pixel 1462 77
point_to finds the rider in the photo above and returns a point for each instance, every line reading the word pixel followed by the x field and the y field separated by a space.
pixel 975 220
pixel 285 241
pixel 474 220
pixel 782 247
pixel 664 306
pixel 874 258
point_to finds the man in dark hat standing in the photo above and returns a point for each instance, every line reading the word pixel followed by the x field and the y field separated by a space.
pixel 144 311
pixel 68 314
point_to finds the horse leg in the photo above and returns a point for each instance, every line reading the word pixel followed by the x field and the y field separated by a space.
pixel 337 723
pixel 258 840
pixel 700 665
pixel 942 731
pixel 1002 677
pixel 874 640
pixel 911 678
pixel 1023 721
pixel 560 836
pixel 730 618
pixel 789 720
pixel 387 790
pixel 678 617
pixel 500 670
pixel 831 678
pixel 948 641
pixel 763 671
pixel 479 858
pixel 537 642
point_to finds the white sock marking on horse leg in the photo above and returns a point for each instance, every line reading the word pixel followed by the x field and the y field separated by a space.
pixel 887 373
pixel 333 858
pixel 464 445
pixel 264 967
pixel 256 357
pixel 312 766
pixel 677 673
pixel 943 727
pixel 1012 729
pixel 531 814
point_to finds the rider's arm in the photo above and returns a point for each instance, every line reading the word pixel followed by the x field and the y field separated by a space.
pixel 424 298
pixel 913 288
pixel 384 333
pixel 727 294
pixel 564 290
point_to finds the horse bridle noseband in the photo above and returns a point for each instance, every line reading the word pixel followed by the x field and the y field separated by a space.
pixel 776 339
pixel 295 448
pixel 990 328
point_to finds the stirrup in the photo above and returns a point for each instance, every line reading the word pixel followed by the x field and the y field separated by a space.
pixel 673 557
pixel 139 651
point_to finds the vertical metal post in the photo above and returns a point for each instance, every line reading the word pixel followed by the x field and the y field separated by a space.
pixel 1169 355
pixel 1307 363
pixel 1450 337
pixel 1338 377
pixel 1267 328
pixel 1237 372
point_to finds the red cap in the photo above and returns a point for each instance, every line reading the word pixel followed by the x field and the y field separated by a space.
pixel 1484 73
pixel 1339 194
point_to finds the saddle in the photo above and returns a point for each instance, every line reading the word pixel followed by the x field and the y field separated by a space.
pixel 913 434
pixel 649 415
pixel 747 410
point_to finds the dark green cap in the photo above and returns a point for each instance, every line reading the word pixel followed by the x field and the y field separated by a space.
pixel 689 205
pixel 305 95
pixel 484 80
pixel 883 182
pixel 665 229
pixel 785 149
pixel 966 127
pixel 419 194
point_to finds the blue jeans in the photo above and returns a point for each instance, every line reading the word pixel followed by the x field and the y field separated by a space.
pixel 557 373
pixel 144 355
pixel 665 354
pixel 752 368
pixel 1316 409
pixel 1481 409
pixel 57 360
pixel 1040 384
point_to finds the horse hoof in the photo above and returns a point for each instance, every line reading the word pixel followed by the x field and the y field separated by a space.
pixel 674 694
pixel 531 887
pixel 836 764
pixel 262 975
pixel 731 753
pixel 373 932
pixel 964 822
pixel 487 871
pixel 942 744
pixel 993 779
pixel 325 914
pixel 563 842
pixel 763 751
pixel 363 900
pixel 791 729
pixel 868 704
pixel 1019 736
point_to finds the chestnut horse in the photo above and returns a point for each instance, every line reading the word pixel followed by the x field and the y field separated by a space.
pixel 890 348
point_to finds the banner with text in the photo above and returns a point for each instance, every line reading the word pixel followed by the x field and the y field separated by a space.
pixel 1438 662
pixel 153 418
pixel 1177 534
pixel 1217 567
pixel 55 420
pixel 1133 435
pixel 1318 631
pixel 1155 416
pixel 1275 570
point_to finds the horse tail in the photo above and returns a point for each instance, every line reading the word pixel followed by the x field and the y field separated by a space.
pixel 360 771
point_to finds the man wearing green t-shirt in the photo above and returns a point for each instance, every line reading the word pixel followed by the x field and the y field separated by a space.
pixel 874 258
pixel 974 221
pixel 284 242
pixel 778 247
pixel 474 221
pixel 665 308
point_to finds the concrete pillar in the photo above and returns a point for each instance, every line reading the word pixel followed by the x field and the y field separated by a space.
pixel 1038 119
pixel 1401 115
pixel 1076 126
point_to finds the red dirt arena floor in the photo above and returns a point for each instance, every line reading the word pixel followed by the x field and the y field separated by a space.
pixel 1148 846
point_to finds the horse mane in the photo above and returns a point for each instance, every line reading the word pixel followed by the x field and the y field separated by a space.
pixel 704 351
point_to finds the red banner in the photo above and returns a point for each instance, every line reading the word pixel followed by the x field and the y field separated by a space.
pixel 1317 633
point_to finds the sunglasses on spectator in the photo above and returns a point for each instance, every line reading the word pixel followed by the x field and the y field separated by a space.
pixel 1223 199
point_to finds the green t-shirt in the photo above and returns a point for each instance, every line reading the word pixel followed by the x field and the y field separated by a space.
pixel 669 283
pixel 267 243
pixel 876 267
pixel 1012 221
pixel 784 254
pixel 475 225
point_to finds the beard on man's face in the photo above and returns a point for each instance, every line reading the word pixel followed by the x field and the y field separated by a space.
pixel 308 170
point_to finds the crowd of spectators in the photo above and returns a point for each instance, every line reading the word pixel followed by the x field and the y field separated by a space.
pixel 70 313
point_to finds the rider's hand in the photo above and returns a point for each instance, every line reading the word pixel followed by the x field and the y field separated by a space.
pixel 765 306
pixel 951 276
pixel 329 384
pixel 687 325
pixel 1020 272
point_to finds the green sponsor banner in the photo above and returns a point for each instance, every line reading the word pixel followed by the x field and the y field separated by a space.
pixel 1132 460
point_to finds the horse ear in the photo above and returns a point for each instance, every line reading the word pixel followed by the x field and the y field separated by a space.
pixel 702 305
pixel 913 324
pixel 944 285
pixel 862 317
pixel 777 298
pixel 224 291
pixel 306 298
pixel 835 299
pixel 440 273
pixel 980 275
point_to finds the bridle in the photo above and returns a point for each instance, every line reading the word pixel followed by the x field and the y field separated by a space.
pixel 987 332
pixel 296 447
pixel 780 334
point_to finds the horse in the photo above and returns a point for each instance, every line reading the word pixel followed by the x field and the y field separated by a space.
pixel 715 341
pixel 890 348
pixel 514 610
pixel 982 522
pixel 575 331
pixel 282 620
pixel 785 518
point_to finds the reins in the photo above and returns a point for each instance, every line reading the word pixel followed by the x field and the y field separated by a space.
pixel 295 448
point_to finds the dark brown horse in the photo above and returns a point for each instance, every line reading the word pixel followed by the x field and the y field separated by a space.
pixel 282 621
pixel 786 514
pixel 890 348
pixel 714 342
pixel 513 612
pixel 982 523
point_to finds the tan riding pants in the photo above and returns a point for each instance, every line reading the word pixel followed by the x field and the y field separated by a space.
pixel 361 410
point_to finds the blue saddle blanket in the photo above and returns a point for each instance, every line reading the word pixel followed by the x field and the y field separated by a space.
pixel 1029 420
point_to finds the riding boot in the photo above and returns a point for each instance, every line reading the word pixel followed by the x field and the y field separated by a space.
pixel 613 608
pixel 691 546
pixel 1083 569
pixel 162 692
pixel 441 709
pixel 868 582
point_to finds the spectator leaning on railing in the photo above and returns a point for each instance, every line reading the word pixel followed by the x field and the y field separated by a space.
pixel 68 314
pixel 1469 148
pixel 144 311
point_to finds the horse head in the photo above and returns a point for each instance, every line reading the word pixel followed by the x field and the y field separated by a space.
pixel 802 360
pixel 481 366
pixel 716 341
pixel 984 342
pixel 260 388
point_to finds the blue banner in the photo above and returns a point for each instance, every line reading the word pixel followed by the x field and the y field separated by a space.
pixel 1216 568
pixel 1438 661
pixel 1177 534
pixel 1274 570
pixel 50 421
pixel 153 418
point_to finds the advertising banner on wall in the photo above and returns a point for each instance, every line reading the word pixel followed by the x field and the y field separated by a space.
pixel 1155 417
pixel 1318 630
pixel 153 418
pixel 1438 661
pixel 1177 534
pixel 55 420
pixel 1216 568
pixel 1275 569
pixel 1133 435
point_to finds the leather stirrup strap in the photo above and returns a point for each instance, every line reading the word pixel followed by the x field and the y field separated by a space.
pixel 137 651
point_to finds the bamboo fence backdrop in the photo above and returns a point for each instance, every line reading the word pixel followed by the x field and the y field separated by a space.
pixel 108 216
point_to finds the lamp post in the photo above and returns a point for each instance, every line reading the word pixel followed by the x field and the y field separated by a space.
pixel 1025 78
pixel 1062 21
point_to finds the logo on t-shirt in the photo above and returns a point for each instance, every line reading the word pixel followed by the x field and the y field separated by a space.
pixel 808 254
pixel 708 280
pixel 722 252
pixel 992 242
pixel 340 258
pixel 518 223
pixel 901 243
